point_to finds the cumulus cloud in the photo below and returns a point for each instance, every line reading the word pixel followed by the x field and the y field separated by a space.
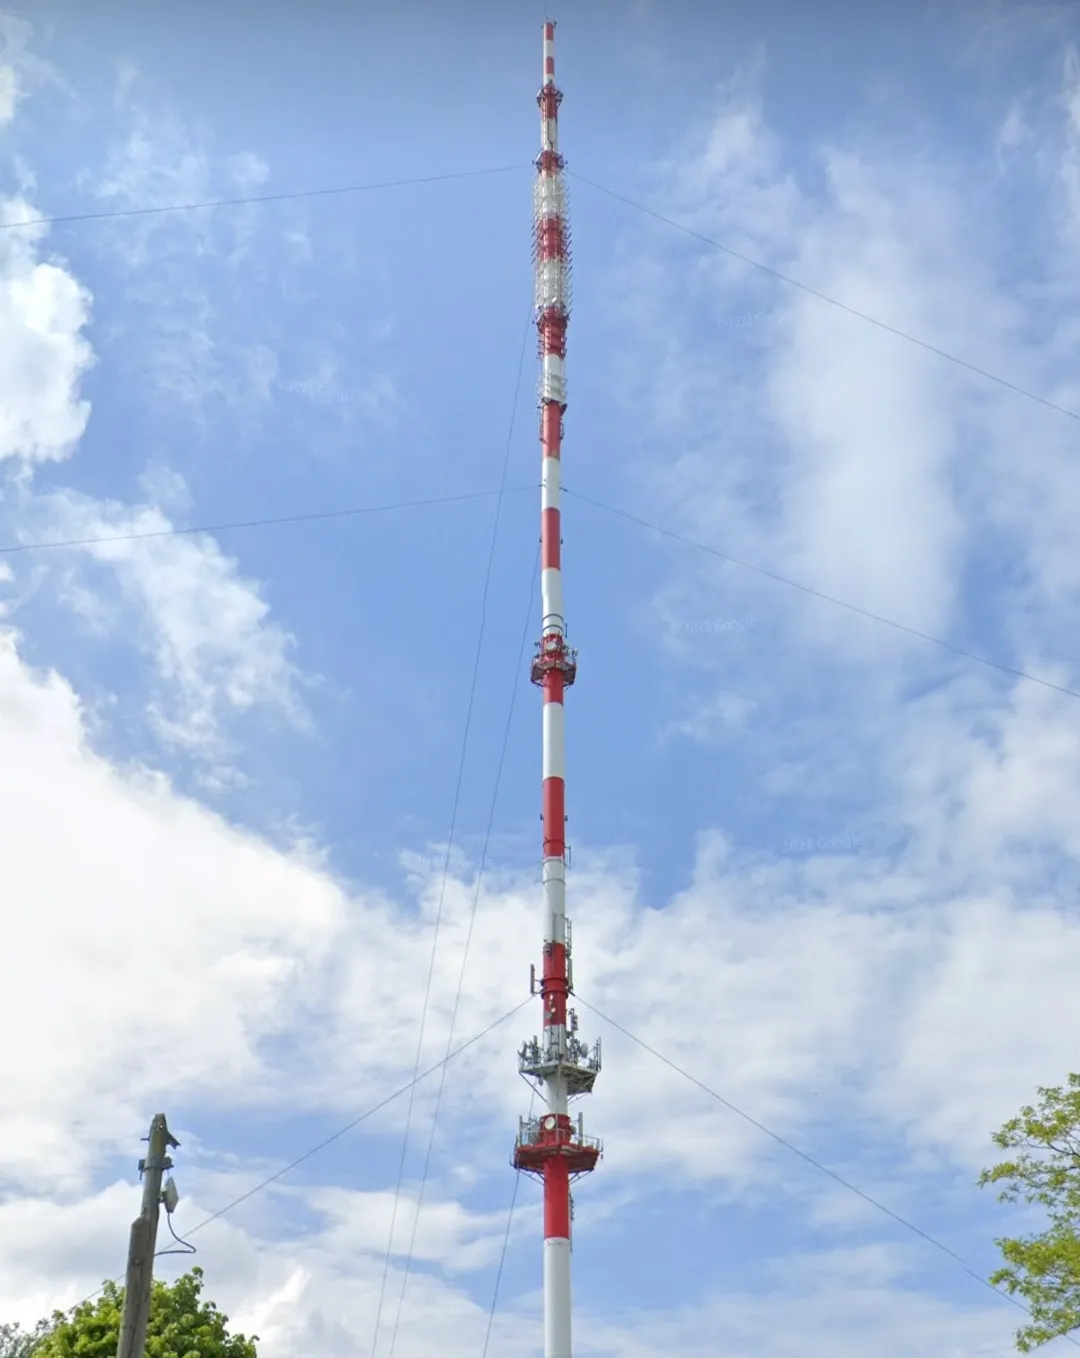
pixel 180 949
pixel 847 1299
pixel 127 971
pixel 316 1294
pixel 321 1294
pixel 858 995
pixel 21 70
pixel 825 448
pixel 44 353
pixel 206 629
pixel 839 455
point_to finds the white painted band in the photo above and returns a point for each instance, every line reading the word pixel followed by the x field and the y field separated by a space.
pixel 557 1298
pixel 554 740
pixel 555 366
pixel 555 907
pixel 549 197
pixel 555 1042
pixel 549 483
pixel 553 870
pixel 551 604
pixel 552 387
pixel 555 1094
pixel 551 283
pixel 553 379
pixel 555 912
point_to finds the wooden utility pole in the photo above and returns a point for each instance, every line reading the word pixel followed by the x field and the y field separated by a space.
pixel 140 1265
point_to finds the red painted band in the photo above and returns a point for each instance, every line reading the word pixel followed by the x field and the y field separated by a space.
pixel 554 817
pixel 556 1200
pixel 555 962
pixel 554 689
pixel 555 996
pixel 551 429
pixel 550 533
pixel 552 337
pixel 551 240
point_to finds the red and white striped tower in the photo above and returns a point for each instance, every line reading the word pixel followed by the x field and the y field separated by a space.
pixel 551 1146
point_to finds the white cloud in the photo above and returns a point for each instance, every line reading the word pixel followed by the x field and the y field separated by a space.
pixel 1069 171
pixel 48 1241
pixel 320 1294
pixel 10 93
pixel 1014 130
pixel 44 354
pixel 841 1303
pixel 153 943
pixel 863 466
pixel 826 449
pixel 178 946
pixel 21 71
pixel 444 1233
pixel 232 930
pixel 189 352
pixel 189 277
pixel 842 441
pixel 870 520
pixel 205 628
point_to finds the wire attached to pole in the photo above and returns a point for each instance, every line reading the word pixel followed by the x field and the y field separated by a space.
pixel 188 1247
pixel 334 1136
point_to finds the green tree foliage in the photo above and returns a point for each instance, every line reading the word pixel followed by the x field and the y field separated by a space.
pixel 181 1326
pixel 1043 1270
pixel 15 1342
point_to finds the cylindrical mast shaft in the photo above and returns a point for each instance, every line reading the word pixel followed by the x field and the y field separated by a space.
pixel 553 1148
pixel 552 265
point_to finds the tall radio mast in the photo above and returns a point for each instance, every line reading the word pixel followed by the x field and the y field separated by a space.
pixel 552 1147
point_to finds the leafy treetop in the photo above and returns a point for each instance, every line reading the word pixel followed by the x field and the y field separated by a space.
pixel 1044 1170
pixel 180 1326
pixel 15 1342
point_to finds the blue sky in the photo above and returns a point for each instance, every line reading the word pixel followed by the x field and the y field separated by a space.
pixel 827 867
